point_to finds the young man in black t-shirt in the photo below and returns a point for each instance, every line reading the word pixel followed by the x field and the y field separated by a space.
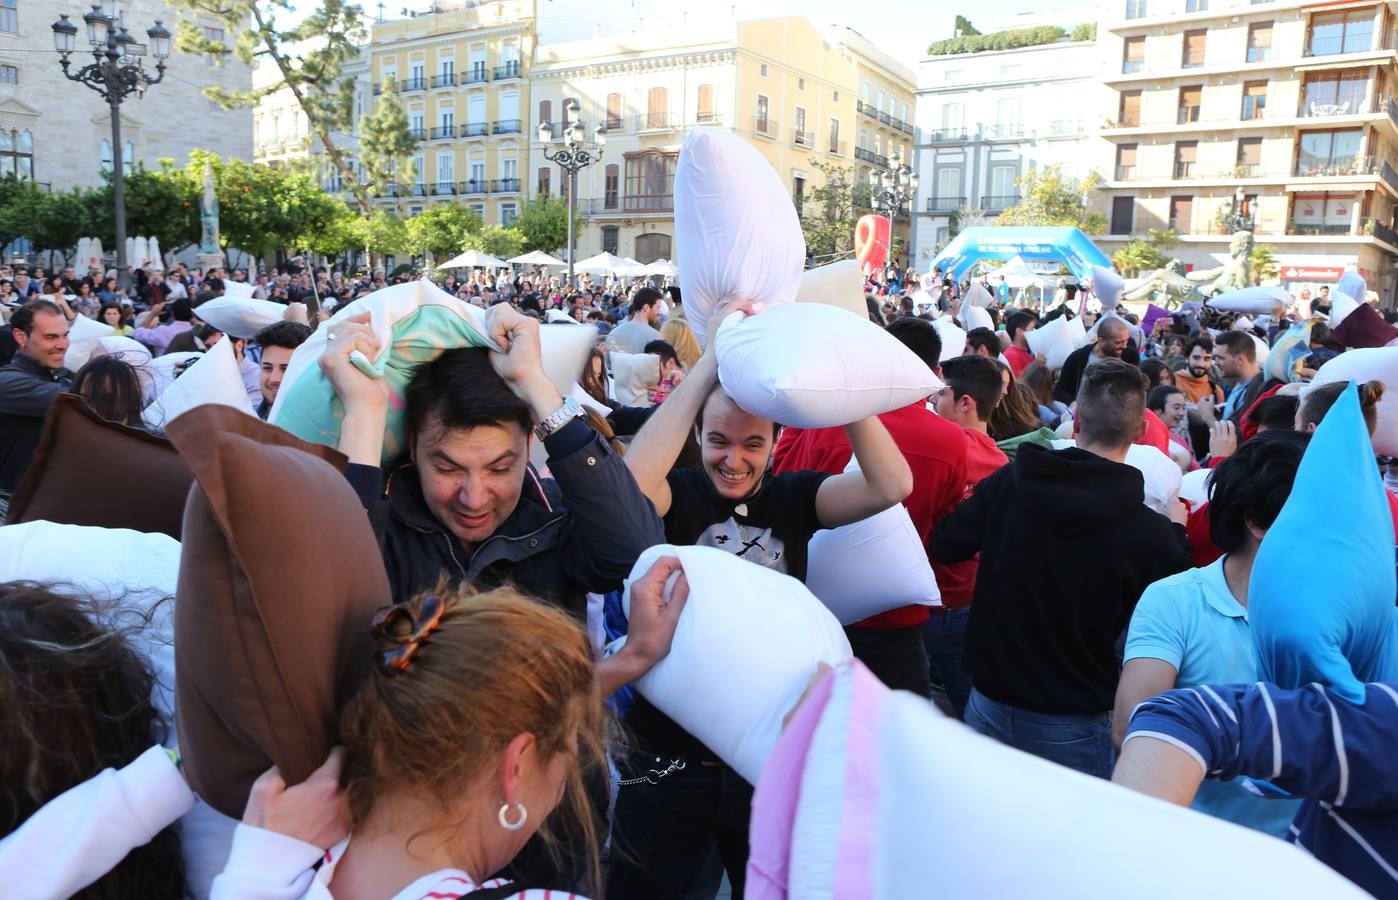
pixel 683 802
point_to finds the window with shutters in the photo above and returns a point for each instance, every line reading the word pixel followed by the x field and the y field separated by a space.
pixel 705 105
pixel 657 107
pixel 1123 214
pixel 763 123
pixel 1341 32
pixel 650 180
pixel 1186 156
pixel 1249 157
pixel 799 136
pixel 1125 162
pixel 613 111
pixel 1259 42
pixel 1254 100
pixel 1133 55
pixel 1191 98
pixel 1193 49
pixel 610 186
pixel 1182 213
pixel 545 174
pixel 546 113
pixel 1129 110
pixel 834 135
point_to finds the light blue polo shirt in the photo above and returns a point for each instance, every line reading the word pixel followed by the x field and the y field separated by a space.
pixel 1193 622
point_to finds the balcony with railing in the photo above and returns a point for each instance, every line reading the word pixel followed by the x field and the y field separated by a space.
pixel 803 138
pixel 999 202
pixel 870 156
pixel 1125 173
pixel 1347 40
pixel 939 135
pixel 1184 169
pixel 443 132
pixel 1184 115
pixel 765 126
pixel 446 79
pixel 475 129
pixel 413 84
pixel 475 75
pixel 417 189
pixel 473 186
pixel 708 117
pixel 505 186
pixel 1348 166
pixel 1307 229
pixel 837 147
pixel 656 121
pixel 648 204
pixel 443 188
pixel 417 134
pixel 945 204
pixel 390 191
pixel 506 126
pixel 1064 127
pixel 1004 131
pixel 1377 229
pixel 507 71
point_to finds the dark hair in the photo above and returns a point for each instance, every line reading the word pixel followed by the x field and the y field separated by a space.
pixel 460 389
pixel 983 337
pixel 975 377
pixel 23 319
pixel 674 292
pixel 1153 368
pixel 1017 412
pixel 664 350
pixel 110 304
pixel 1319 332
pixel 1318 402
pixel 1159 396
pixel 920 337
pixel 596 387
pixel 1111 403
pixel 1239 343
pixel 1252 485
pixel 75 700
pixel 1038 382
pixel 289 335
pixel 1274 413
pixel 111 387
pixel 1017 321
pixel 646 296
pixel 1199 340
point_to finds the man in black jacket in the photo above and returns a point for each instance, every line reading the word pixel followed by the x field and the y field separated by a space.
pixel 29 384
pixel 1113 340
pixel 468 505
pixel 1067 546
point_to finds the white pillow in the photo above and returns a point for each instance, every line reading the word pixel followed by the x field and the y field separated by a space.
pixel 213 378
pixel 240 317
pixel 814 366
pixel 1369 364
pixel 161 371
pixel 1107 285
pixel 977 296
pixel 131 569
pixel 953 337
pixel 976 317
pixel 1194 486
pixel 1341 305
pixel 1263 349
pixel 135 354
pixel 736 229
pixel 1161 475
pixel 240 290
pixel 1057 339
pixel 837 284
pixel 635 376
pixel 83 335
pixel 839 569
pixel 564 351
pixel 851 807
pixel 1255 301
pixel 746 645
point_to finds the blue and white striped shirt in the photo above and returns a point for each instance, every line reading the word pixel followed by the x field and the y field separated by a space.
pixel 1310 743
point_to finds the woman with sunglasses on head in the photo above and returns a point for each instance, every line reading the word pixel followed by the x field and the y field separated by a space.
pixel 481 720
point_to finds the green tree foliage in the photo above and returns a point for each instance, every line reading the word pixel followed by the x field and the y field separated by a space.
pixel 309 58
pixel 830 211
pixel 383 232
pixel 386 145
pixel 1136 257
pixel 497 241
pixel 20 201
pixel 1050 199
pixel 440 232
pixel 1087 31
pixel 963 27
pixel 544 224
pixel 1000 40
pixel 163 203
pixel 1263 263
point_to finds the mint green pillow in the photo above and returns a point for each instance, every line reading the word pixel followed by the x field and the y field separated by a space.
pixel 310 409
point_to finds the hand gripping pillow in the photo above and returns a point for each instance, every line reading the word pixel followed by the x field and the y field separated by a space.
pixel 83 335
pixel 213 378
pixel 1370 364
pixel 1057 339
pixel 952 335
pixel 1333 623
pixel 240 317
pixel 849 806
pixel 746 645
pixel 841 572
pixel 1194 486
pixel 735 227
pixel 814 366
pixel 837 284
pixel 280 575
pixel 140 484
pixel 1255 301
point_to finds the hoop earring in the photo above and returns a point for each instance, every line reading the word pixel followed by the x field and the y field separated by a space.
pixel 505 822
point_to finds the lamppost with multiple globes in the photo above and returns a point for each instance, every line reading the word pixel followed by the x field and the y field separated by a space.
pixel 575 154
pixel 893 188
pixel 116 72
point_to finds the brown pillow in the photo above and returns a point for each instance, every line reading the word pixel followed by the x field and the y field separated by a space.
pixel 89 471
pixel 280 575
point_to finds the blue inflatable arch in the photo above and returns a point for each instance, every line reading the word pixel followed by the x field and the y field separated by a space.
pixel 1054 244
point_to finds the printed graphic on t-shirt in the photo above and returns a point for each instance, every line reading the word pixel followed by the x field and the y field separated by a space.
pixel 756 545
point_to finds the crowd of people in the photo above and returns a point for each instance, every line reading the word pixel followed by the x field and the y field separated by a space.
pixel 493 750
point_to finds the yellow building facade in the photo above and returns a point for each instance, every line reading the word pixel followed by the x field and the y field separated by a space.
pixel 463 77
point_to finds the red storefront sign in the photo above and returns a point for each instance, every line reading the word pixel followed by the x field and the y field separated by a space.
pixel 1312 273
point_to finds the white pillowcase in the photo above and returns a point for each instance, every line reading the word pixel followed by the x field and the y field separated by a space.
pixel 1162 476
pixel 213 378
pixel 1107 285
pixel 952 335
pixel 240 317
pixel 1255 301
pixel 1194 486
pixel 1057 339
pixel 871 566
pixel 745 647
pixel 976 317
pixel 240 290
pixel 735 227
pixel 1369 364
pixel 837 284
pixel 814 366
pixel 635 376
pixel 563 351
pixel 83 335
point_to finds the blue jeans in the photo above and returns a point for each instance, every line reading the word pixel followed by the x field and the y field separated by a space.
pixel 944 634
pixel 1081 742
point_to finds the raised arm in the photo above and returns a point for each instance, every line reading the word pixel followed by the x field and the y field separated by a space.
pixel 658 444
pixel 882 480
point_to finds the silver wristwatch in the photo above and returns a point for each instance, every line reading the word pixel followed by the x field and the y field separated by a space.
pixel 566 413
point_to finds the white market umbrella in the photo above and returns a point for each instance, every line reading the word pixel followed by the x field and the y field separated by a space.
pixel 157 259
pixel 96 258
pixel 537 258
pixel 141 256
pixel 602 263
pixel 663 267
pixel 474 259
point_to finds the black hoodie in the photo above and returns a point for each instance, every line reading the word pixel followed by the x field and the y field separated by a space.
pixel 1067 546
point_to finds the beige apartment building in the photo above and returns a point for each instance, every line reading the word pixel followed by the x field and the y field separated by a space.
pixel 1291 102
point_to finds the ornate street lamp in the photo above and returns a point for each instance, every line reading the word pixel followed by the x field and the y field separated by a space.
pixel 575 154
pixel 116 72
pixel 894 188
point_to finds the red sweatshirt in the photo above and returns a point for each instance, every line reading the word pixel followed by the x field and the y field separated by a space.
pixel 936 452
